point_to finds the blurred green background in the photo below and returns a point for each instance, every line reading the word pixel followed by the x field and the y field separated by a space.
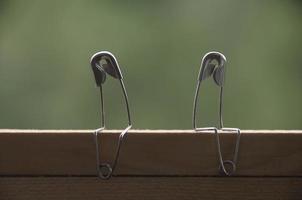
pixel 46 81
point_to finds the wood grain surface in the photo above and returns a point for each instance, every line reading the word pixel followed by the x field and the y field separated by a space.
pixel 149 153
pixel 153 188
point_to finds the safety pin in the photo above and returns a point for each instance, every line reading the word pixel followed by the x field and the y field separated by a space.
pixel 213 64
pixel 103 63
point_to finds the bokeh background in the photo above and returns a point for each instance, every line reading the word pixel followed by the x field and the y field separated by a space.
pixel 46 81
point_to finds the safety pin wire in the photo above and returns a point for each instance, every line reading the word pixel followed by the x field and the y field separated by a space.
pixel 222 162
pixel 126 101
pixel 220 107
pixel 237 144
pixel 233 162
pixel 97 150
pixel 102 107
pixel 195 104
pixel 110 168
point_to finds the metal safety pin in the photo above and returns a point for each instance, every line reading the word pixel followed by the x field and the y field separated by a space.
pixel 213 64
pixel 103 63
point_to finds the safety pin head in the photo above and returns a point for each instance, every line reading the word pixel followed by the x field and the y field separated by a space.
pixel 213 63
pixel 103 63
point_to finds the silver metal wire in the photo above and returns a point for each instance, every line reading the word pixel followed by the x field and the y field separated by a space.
pixel 109 168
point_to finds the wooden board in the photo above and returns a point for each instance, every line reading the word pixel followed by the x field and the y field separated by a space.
pixel 132 188
pixel 148 153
